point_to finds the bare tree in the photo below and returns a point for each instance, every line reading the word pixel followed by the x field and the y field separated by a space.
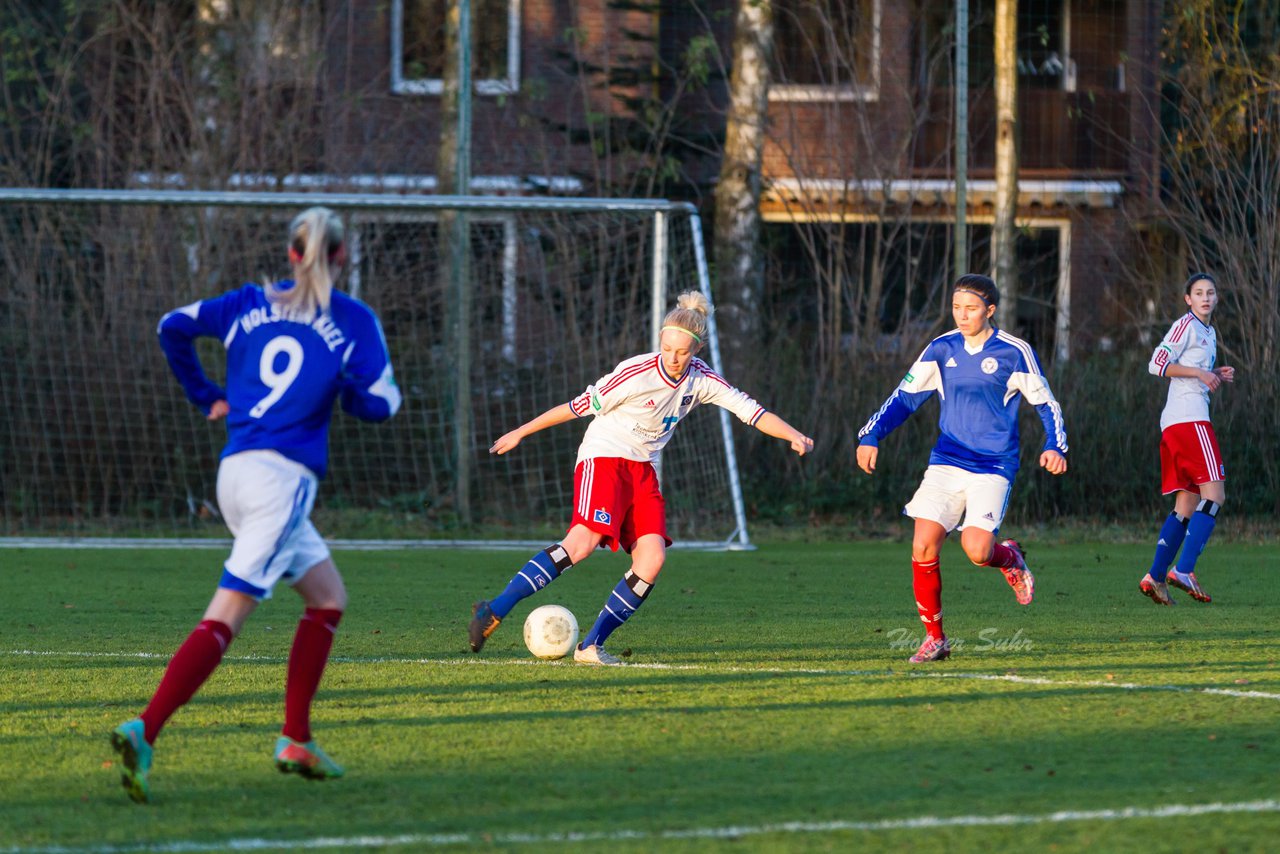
pixel 737 223
pixel 1221 158
pixel 1004 259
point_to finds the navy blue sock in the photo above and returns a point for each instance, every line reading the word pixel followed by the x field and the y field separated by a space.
pixel 1199 529
pixel 1171 536
pixel 621 604
pixel 542 569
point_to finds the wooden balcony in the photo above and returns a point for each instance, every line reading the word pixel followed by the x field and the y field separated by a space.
pixel 1076 133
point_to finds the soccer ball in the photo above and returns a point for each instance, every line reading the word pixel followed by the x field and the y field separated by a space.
pixel 550 632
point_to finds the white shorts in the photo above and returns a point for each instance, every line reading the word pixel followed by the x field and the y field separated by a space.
pixel 266 499
pixel 947 493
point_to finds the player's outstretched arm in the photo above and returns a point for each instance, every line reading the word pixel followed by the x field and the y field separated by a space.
pixel 772 425
pixel 550 418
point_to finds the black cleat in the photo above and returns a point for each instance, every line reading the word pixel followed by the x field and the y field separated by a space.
pixel 483 624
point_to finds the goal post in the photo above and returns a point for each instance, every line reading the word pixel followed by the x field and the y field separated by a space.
pixel 99 441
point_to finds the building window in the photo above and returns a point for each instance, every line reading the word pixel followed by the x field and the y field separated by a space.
pixel 417 46
pixel 826 50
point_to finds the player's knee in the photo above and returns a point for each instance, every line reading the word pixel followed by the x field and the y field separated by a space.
pixel 923 551
pixel 978 555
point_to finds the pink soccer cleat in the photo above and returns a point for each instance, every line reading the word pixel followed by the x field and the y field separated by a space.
pixel 1019 577
pixel 1157 591
pixel 933 649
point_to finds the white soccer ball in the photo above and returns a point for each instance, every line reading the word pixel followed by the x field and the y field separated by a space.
pixel 550 632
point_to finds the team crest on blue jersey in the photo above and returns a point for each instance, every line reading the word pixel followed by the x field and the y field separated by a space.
pixel 602 516
pixel 989 365
pixel 686 400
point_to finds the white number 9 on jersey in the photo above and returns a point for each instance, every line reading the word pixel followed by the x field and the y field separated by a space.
pixel 277 381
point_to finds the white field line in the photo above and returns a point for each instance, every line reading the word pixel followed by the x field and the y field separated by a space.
pixel 437 840
pixel 776 671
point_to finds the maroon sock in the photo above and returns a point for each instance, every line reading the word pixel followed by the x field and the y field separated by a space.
pixel 927 581
pixel 1003 557
pixel 191 665
pixel 307 659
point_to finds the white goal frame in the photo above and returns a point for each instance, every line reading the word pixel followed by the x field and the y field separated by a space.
pixel 658 210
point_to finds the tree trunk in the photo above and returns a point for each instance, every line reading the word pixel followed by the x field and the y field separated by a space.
pixel 1004 235
pixel 453 168
pixel 737 216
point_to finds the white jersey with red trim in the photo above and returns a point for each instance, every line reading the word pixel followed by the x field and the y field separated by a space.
pixel 637 405
pixel 1193 344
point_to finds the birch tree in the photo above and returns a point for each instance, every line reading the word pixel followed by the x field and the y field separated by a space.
pixel 737 218
pixel 1004 236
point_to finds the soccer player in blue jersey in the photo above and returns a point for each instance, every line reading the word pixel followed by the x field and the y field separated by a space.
pixel 978 373
pixel 293 347
pixel 1190 462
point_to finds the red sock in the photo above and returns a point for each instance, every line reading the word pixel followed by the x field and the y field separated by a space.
pixel 927 581
pixel 307 659
pixel 1003 557
pixel 191 665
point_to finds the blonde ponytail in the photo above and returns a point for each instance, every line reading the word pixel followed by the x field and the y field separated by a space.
pixel 690 315
pixel 316 251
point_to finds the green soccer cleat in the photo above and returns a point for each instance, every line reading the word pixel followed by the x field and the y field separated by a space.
pixel 130 742
pixel 305 758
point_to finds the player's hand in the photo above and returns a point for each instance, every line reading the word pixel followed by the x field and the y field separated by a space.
pixel 867 455
pixel 1226 373
pixel 1211 380
pixel 802 445
pixel 506 443
pixel 1053 462
pixel 219 410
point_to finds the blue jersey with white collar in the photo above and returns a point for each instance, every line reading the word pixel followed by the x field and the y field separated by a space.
pixel 283 374
pixel 978 395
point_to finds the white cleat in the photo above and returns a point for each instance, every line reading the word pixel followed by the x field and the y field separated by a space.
pixel 594 654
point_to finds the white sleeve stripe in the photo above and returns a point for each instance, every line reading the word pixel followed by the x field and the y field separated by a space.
pixel 875 418
pixel 1028 354
pixel 385 387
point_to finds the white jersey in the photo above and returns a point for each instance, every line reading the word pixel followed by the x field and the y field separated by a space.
pixel 1192 344
pixel 637 405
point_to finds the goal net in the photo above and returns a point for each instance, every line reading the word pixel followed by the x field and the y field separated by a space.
pixel 99 441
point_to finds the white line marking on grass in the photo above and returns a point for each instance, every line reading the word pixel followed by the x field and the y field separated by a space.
pixel 1128 686
pixel 773 671
pixel 436 840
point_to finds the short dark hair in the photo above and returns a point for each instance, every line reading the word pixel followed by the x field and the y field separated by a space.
pixel 1195 277
pixel 981 286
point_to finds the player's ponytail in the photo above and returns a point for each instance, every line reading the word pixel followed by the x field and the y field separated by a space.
pixel 690 314
pixel 316 251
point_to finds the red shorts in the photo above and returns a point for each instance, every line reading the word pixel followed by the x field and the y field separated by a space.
pixel 619 499
pixel 1189 456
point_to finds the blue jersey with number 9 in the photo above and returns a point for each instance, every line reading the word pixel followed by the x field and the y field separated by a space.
pixel 283 374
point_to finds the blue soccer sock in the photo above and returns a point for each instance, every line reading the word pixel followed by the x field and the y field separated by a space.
pixel 1172 534
pixel 542 569
pixel 618 608
pixel 1199 529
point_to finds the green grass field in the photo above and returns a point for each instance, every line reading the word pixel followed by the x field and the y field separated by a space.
pixel 767 705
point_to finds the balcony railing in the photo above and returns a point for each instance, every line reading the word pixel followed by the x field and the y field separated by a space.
pixel 1075 132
